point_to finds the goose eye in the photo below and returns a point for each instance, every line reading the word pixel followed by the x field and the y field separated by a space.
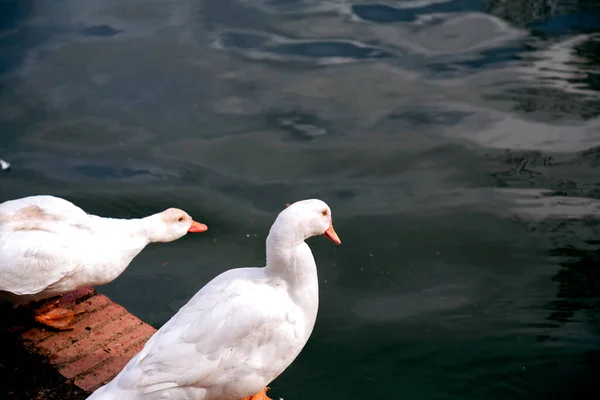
pixel 181 219
pixel 325 213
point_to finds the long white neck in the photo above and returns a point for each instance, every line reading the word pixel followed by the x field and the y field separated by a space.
pixel 289 258
pixel 144 230
pixel 295 264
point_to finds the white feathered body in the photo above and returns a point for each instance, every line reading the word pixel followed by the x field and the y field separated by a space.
pixel 49 246
pixel 234 337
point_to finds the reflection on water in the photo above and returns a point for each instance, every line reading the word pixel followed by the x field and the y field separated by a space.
pixel 456 141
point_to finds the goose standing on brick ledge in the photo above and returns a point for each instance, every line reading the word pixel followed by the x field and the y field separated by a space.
pixel 49 246
pixel 241 330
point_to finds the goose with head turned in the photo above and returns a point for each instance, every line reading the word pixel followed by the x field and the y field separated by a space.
pixel 49 246
pixel 241 330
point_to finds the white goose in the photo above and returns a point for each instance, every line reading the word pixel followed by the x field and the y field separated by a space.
pixel 49 246
pixel 241 330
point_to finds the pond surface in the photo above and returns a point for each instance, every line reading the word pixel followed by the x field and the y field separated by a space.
pixel 456 141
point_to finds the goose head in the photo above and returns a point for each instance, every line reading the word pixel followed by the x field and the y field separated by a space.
pixel 171 225
pixel 304 219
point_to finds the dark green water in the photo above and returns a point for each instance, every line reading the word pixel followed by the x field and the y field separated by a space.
pixel 456 141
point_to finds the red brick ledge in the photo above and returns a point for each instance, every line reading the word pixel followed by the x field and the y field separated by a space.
pixel 105 337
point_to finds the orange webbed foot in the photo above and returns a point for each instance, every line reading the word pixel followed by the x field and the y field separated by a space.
pixel 43 308
pixel 262 395
pixel 57 318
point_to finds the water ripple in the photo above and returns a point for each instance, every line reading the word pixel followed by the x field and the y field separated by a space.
pixel 263 46
pixel 408 12
pixel 100 30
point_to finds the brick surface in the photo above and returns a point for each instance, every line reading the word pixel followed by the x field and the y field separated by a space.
pixel 95 339
pixel 90 326
pixel 104 338
pixel 36 335
pixel 100 376
pixel 140 334
pixel 95 303
pixel 84 309
pixel 77 296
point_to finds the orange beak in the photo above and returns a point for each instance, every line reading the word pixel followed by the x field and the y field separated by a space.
pixel 197 227
pixel 330 233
